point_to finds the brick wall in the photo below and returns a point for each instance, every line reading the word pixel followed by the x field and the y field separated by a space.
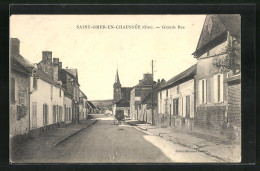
pixel 210 118
pixel 234 109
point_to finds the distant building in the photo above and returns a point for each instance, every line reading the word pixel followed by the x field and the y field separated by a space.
pixel 69 78
pixel 120 93
pixel 138 93
pixel 91 107
pixel 146 104
pixel 123 106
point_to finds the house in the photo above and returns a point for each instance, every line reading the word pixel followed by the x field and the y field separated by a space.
pixel 46 95
pixel 19 91
pixel 146 104
pixel 138 93
pixel 120 94
pixel 69 79
pixel 98 110
pixel 218 52
pixel 176 100
pixel 82 106
pixel 91 107
pixel 67 108
pixel 123 106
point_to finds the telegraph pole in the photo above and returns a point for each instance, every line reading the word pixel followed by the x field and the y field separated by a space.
pixel 152 96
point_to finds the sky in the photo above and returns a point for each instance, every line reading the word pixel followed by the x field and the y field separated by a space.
pixel 79 42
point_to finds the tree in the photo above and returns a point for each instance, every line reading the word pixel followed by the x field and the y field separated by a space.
pixel 231 61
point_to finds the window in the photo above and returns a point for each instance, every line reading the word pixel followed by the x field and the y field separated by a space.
pixel 35 82
pixel 203 91
pixel 13 90
pixel 21 97
pixel 160 95
pixel 175 106
pixel 167 93
pixel 45 114
pixel 218 88
pixel 34 114
pixel 60 92
pixel 60 113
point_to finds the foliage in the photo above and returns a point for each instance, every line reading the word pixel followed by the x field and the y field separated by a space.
pixel 231 61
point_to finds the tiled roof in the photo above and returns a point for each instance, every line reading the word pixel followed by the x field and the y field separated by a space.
pixel 91 104
pixel 23 61
pixel 216 26
pixel 188 73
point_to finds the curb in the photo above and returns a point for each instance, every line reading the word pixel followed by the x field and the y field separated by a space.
pixel 72 134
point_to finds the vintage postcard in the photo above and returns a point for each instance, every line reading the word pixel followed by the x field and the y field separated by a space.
pixel 125 88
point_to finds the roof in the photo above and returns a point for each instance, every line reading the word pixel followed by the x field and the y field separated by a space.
pixel 91 105
pixel 72 72
pixel 215 28
pixel 123 104
pixel 188 73
pixel 40 73
pixel 23 61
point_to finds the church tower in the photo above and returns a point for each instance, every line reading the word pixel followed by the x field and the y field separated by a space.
pixel 117 88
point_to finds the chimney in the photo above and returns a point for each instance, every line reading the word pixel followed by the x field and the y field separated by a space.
pixel 147 78
pixel 60 65
pixel 46 55
pixel 158 80
pixel 140 81
pixel 15 46
pixel 55 69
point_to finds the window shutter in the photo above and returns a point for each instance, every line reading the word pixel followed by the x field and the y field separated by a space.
pixel 215 89
pixel 47 114
pixel 205 91
pixel 200 91
pixel 221 87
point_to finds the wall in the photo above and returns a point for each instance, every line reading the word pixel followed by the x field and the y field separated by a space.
pixel 43 96
pixel 234 108
pixel 211 115
pixel 19 126
pixel 132 104
pixel 166 110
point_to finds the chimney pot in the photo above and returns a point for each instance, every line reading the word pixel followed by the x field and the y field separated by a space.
pixel 56 61
pixel 46 55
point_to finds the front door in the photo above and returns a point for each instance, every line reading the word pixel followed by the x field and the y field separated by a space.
pixel 34 114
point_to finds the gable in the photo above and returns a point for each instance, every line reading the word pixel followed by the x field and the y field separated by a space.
pixel 215 29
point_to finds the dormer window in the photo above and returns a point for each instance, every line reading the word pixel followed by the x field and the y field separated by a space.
pixel 209 26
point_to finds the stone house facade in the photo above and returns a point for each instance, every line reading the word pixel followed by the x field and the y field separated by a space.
pixel 219 48
pixel 19 91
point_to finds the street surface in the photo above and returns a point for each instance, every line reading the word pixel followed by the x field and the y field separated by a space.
pixel 105 142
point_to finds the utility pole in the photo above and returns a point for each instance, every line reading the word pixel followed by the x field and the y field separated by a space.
pixel 152 96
